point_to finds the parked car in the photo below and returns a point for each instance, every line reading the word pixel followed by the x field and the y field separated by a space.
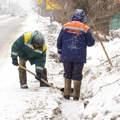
pixel 26 13
pixel 13 14
pixel 21 15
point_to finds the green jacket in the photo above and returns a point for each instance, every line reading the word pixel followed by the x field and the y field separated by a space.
pixel 23 48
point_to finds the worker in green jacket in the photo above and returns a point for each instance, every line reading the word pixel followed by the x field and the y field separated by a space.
pixel 30 46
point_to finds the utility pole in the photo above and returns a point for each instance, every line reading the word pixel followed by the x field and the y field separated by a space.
pixel 50 12
pixel 38 13
pixel 9 6
pixel 39 1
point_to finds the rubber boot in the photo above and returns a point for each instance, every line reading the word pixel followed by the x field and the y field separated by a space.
pixel 22 74
pixel 23 79
pixel 67 89
pixel 76 91
pixel 44 76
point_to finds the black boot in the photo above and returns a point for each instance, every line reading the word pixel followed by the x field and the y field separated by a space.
pixel 42 84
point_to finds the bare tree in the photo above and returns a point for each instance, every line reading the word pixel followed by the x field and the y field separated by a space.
pixel 100 11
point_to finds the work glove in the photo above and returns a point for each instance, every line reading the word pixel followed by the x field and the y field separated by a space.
pixel 15 61
pixel 39 75
pixel 59 57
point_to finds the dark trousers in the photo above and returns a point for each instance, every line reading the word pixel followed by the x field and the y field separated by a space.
pixel 73 70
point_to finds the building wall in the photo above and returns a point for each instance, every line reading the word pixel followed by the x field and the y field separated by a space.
pixel 114 23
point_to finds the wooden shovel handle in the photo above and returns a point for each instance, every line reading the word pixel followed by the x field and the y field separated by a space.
pixel 101 43
pixel 36 76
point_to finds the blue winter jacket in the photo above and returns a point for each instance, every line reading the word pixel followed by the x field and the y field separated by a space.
pixel 73 40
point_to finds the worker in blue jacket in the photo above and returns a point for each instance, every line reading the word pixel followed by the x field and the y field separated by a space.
pixel 72 43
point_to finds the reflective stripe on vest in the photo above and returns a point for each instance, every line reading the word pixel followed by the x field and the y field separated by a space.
pixel 39 68
pixel 76 26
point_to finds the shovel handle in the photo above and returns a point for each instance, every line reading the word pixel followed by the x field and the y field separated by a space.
pixel 36 76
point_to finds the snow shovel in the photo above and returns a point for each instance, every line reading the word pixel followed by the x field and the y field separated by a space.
pixel 61 89
pixel 36 76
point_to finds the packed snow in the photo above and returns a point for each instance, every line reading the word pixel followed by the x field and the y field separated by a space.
pixel 100 90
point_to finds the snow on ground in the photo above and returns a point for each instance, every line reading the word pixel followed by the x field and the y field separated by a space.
pixel 100 90
pixel 2 17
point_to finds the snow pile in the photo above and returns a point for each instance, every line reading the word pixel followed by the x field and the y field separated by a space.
pixel 115 33
pixel 102 36
pixel 101 85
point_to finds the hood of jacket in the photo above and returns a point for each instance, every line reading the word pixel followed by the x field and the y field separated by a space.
pixel 78 15
pixel 33 34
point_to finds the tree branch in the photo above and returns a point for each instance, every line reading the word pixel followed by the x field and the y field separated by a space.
pixel 106 85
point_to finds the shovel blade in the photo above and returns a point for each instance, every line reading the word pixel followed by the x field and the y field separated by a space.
pixel 62 90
